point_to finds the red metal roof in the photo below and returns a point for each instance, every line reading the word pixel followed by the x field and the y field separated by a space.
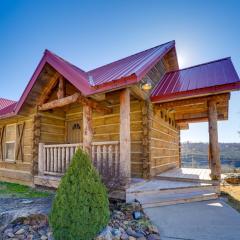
pixel 134 65
pixel 8 109
pixel 216 76
pixel 5 102
pixel 130 73
pixel 205 78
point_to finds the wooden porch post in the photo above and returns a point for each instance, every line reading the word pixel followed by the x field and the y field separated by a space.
pixel 87 128
pixel 125 138
pixel 41 159
pixel 213 141
pixel 180 149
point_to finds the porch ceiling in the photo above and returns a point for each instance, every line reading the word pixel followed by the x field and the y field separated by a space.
pixel 196 109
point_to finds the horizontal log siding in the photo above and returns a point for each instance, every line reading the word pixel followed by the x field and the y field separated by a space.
pixel 164 144
pixel 52 127
pixel 106 127
pixel 136 138
pixel 19 171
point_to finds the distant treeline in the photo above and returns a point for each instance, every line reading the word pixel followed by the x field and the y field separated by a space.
pixel 196 154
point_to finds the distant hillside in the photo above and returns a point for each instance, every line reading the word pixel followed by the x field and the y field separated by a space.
pixel 196 154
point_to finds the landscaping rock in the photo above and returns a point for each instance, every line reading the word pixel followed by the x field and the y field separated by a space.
pixel 153 237
pixel 33 227
pixel 12 209
pixel 20 231
pixel 153 229
pixel 124 224
pixel 106 234
pixel 137 215
pixel 133 233
pixel 233 178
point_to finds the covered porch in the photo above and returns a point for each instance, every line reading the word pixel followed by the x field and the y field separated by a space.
pixel 54 160
pixel 66 121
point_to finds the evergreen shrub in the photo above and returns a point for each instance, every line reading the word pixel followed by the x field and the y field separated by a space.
pixel 81 207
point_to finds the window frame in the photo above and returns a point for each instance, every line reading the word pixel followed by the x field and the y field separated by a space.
pixel 7 142
pixel 14 152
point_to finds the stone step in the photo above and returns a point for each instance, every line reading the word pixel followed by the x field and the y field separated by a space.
pixel 177 198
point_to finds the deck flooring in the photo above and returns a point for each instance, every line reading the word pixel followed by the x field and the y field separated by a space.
pixel 156 184
pixel 189 173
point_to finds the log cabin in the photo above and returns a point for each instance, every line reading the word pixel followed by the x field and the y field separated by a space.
pixel 127 115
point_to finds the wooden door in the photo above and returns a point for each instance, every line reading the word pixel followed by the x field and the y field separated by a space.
pixel 74 131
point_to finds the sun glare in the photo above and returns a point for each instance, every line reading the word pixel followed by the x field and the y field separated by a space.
pixel 181 61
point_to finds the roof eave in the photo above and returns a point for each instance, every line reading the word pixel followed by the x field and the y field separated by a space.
pixel 197 93
pixel 68 73
pixel 115 84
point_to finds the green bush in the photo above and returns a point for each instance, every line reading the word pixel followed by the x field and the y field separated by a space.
pixel 81 208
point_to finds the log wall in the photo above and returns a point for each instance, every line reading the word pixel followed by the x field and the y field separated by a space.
pixel 19 169
pixel 52 127
pixel 107 128
pixel 164 144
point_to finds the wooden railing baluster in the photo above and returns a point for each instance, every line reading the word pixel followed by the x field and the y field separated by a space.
pixel 57 157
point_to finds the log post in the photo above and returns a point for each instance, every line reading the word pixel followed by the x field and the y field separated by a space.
pixel 147 115
pixel 213 141
pixel 36 139
pixel 125 138
pixel 179 150
pixel 87 128
pixel 41 159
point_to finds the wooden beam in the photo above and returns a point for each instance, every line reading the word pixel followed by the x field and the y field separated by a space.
pixel 61 88
pixel 183 126
pixel 213 142
pixel 76 97
pixel 87 128
pixel 47 91
pixel 138 93
pixel 202 117
pixel 60 102
pixel 125 138
pixel 99 97
pixel 193 101
pixel 93 104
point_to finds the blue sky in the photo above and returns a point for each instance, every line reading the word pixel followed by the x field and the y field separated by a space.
pixel 92 33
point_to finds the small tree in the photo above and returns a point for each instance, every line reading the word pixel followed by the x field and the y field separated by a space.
pixel 81 208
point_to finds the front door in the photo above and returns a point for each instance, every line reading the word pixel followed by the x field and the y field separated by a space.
pixel 74 131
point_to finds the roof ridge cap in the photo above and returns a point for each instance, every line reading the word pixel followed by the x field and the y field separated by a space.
pixel 66 61
pixel 201 64
pixel 173 41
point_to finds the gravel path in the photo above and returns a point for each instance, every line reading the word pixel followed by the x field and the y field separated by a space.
pixel 13 208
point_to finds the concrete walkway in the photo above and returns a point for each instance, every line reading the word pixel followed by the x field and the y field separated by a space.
pixel 207 220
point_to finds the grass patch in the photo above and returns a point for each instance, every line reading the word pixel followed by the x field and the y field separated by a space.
pixel 232 192
pixel 17 190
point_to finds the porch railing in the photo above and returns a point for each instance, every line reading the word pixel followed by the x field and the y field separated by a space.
pixel 55 159
pixel 106 158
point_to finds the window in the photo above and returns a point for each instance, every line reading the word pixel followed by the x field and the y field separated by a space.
pixel 10 151
pixel 10 136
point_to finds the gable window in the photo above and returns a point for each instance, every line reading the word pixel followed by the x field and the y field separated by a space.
pixel 10 142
